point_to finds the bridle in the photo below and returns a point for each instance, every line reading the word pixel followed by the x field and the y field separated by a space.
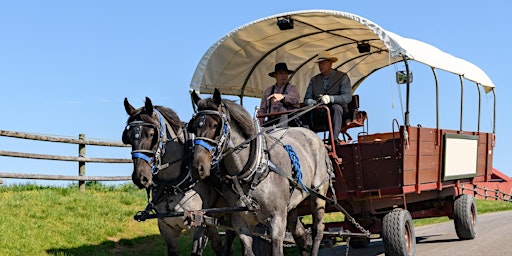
pixel 217 145
pixel 155 155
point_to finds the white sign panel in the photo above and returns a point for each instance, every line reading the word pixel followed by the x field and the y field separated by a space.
pixel 460 156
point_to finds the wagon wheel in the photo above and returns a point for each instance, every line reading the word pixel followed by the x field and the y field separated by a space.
pixel 260 245
pixel 465 217
pixel 398 233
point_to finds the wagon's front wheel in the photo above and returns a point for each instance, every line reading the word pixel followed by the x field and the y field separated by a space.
pixel 465 217
pixel 398 233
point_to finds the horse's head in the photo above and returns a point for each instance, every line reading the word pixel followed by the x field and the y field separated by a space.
pixel 142 132
pixel 209 125
pixel 217 125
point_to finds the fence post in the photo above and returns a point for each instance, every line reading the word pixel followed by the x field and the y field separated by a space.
pixel 497 194
pixel 81 164
pixel 475 192
pixel 485 193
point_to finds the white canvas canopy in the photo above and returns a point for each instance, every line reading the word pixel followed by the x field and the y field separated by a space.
pixel 238 63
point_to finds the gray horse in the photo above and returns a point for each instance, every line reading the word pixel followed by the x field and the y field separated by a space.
pixel 158 140
pixel 227 135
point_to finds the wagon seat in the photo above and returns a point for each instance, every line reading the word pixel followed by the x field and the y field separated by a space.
pixel 318 122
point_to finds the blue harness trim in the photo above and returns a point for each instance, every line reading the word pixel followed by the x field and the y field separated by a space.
pixel 149 160
pixel 295 165
pixel 204 144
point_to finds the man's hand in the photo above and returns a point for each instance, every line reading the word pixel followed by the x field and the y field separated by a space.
pixel 276 97
pixel 325 99
pixel 310 102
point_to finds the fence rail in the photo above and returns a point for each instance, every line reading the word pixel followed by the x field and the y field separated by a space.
pixel 486 194
pixel 81 158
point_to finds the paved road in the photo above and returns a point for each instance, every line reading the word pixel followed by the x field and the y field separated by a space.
pixel 493 239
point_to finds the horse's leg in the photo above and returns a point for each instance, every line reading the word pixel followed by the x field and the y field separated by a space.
pixel 170 236
pixel 215 240
pixel 244 231
pixel 317 230
pixel 298 232
pixel 278 230
pixel 246 240
pixel 227 249
pixel 200 240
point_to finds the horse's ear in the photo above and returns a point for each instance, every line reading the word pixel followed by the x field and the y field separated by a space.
pixel 128 107
pixel 195 97
pixel 149 107
pixel 216 96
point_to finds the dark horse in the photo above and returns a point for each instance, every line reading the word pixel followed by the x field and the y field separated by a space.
pixel 159 147
pixel 262 171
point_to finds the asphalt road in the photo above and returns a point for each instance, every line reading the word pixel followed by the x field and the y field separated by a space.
pixel 493 239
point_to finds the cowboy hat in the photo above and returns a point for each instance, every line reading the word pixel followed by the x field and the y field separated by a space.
pixel 325 56
pixel 279 67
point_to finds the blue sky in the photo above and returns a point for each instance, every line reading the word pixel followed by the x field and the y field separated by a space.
pixel 66 66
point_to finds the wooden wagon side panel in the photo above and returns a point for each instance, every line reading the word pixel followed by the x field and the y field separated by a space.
pixel 372 164
pixel 422 158
pixel 425 153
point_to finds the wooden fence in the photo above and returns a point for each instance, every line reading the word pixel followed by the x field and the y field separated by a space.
pixel 81 158
pixel 486 193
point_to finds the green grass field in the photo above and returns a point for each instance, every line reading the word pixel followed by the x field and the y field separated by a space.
pixel 41 220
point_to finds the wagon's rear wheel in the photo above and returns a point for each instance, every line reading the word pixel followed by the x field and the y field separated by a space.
pixel 260 245
pixel 465 217
pixel 398 233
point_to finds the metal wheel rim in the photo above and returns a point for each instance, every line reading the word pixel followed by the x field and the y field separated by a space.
pixel 473 216
pixel 407 236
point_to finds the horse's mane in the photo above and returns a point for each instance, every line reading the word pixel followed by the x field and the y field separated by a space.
pixel 167 113
pixel 171 116
pixel 236 112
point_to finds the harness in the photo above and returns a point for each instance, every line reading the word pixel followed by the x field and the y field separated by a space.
pixel 260 166
pixel 153 157
pixel 161 190
pixel 214 146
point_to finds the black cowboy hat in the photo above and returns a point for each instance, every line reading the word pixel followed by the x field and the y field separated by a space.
pixel 279 67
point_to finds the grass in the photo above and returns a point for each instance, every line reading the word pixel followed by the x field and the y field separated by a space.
pixel 45 220
pixel 63 221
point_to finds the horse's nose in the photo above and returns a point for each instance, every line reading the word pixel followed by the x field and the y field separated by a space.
pixel 145 181
pixel 201 172
pixel 141 181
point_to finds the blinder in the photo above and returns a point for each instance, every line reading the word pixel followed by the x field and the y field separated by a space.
pixel 136 130
pixel 216 145
pixel 152 156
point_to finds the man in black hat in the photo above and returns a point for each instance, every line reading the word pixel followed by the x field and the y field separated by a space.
pixel 281 96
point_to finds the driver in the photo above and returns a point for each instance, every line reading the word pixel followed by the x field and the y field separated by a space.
pixel 330 87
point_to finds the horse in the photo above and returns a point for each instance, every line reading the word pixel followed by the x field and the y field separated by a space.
pixel 159 146
pixel 259 175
